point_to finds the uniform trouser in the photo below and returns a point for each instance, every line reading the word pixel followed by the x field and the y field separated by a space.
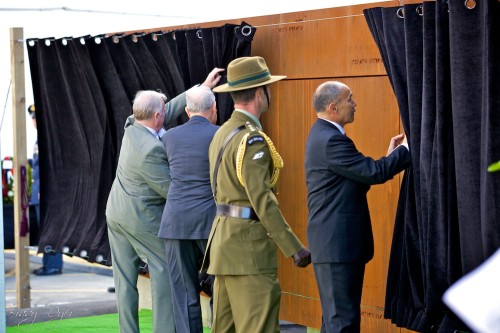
pixel 246 303
pixel 127 248
pixel 50 260
pixel 340 286
pixel 184 258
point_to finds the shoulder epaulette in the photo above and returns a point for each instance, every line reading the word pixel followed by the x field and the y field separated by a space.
pixel 251 127
pixel 248 139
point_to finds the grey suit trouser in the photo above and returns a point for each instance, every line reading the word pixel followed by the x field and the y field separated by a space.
pixel 340 286
pixel 127 248
pixel 184 258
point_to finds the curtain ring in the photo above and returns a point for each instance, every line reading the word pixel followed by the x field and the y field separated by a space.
pixel 236 29
pixel 48 249
pixel 198 34
pixel 470 4
pixel 246 30
pixel 400 13
pixel 100 258
pixel 420 10
pixel 66 250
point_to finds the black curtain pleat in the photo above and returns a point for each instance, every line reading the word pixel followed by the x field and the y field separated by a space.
pixel 490 132
pixel 196 56
pixel 147 69
pixel 470 119
pixel 442 62
pixel 115 92
pixel 162 53
pixel 182 56
pixel 415 246
pixel 83 90
pixel 229 42
pixel 172 45
pixel 75 164
pixel 209 48
pixel 124 65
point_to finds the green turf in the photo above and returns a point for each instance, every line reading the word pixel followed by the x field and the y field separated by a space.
pixel 102 324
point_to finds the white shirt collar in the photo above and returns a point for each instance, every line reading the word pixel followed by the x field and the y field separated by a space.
pixel 341 129
pixel 157 135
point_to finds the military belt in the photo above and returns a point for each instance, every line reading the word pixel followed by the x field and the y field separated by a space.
pixel 237 211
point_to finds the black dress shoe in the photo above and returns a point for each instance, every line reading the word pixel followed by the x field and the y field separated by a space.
pixel 48 271
pixel 38 270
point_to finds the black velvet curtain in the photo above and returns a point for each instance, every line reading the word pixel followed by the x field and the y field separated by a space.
pixel 83 90
pixel 443 61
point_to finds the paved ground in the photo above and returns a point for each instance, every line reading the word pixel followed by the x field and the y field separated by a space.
pixel 80 291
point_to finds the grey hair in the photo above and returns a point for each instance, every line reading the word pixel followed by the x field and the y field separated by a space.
pixel 199 99
pixel 327 93
pixel 147 103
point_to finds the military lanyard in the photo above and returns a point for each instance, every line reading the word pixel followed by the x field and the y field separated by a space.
pixel 219 157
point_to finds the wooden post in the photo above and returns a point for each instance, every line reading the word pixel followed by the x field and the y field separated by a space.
pixel 21 208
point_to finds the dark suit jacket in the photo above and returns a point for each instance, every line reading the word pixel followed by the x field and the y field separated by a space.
pixel 190 208
pixel 338 177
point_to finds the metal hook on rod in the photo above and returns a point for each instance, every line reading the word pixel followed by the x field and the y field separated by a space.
pixel 400 13
pixel 420 10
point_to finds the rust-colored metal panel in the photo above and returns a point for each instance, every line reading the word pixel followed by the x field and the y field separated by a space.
pixel 288 123
pixel 307 308
pixel 336 46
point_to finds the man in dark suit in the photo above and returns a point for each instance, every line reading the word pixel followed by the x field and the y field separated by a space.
pixel 135 205
pixel 339 229
pixel 190 207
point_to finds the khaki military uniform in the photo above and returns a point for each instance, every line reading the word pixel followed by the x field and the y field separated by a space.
pixel 242 252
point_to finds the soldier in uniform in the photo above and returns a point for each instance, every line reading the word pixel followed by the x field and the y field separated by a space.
pixel 248 227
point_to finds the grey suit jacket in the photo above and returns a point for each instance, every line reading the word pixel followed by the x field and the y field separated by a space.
pixel 138 193
pixel 190 208
pixel 338 177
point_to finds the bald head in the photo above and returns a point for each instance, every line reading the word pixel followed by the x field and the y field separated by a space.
pixel 333 101
pixel 327 93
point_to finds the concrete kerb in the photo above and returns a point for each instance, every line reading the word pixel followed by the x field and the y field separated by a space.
pixel 70 263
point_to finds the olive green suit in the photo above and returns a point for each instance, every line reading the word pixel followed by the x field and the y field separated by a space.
pixel 133 213
pixel 242 253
